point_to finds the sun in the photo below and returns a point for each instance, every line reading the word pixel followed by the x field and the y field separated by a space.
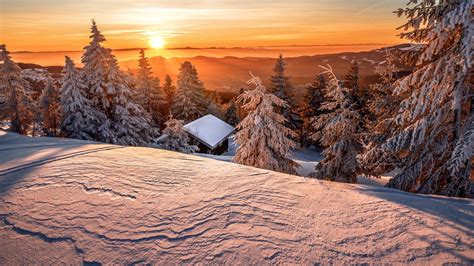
pixel 157 42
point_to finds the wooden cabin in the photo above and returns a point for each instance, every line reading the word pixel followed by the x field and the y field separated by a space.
pixel 210 134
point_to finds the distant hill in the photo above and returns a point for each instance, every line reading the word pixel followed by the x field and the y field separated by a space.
pixel 230 73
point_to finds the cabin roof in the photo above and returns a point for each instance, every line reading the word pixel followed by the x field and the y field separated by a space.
pixel 209 130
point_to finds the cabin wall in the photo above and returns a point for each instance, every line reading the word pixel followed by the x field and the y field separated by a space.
pixel 219 150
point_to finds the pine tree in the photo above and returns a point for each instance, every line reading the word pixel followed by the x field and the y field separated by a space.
pixel 337 130
pixel 177 138
pixel 352 80
pixel 283 89
pixel 144 81
pixel 353 83
pixel 95 60
pixel 214 106
pixel 169 91
pixel 231 116
pixel 314 98
pixel 189 103
pixel 132 83
pixel 149 87
pixel 432 143
pixel 18 104
pixel 50 109
pixel 125 122
pixel 129 123
pixel 383 125
pixel 384 100
pixel 79 119
pixel 263 139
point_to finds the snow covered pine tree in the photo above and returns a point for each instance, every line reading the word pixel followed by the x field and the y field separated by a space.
pixel 50 109
pixel 283 89
pixel 382 124
pixel 125 121
pixel 337 130
pixel 169 91
pixel 230 115
pixel 352 83
pixel 433 140
pixel 313 100
pixel 189 102
pixel 131 125
pixel 176 138
pixel 18 105
pixel 79 119
pixel 214 105
pixel 95 60
pixel 264 141
pixel 151 98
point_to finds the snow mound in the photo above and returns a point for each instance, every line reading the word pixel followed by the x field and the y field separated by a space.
pixel 74 202
pixel 209 129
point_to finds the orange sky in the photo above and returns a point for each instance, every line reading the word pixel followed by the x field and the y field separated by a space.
pixel 47 25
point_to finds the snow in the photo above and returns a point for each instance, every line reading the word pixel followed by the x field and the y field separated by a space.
pixel 210 130
pixel 36 75
pixel 370 61
pixel 307 160
pixel 413 47
pixel 78 202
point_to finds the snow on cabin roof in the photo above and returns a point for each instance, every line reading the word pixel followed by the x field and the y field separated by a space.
pixel 209 129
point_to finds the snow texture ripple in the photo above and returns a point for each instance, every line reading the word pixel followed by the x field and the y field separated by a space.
pixel 76 202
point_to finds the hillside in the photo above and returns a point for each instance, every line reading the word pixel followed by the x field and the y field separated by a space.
pixel 231 73
pixel 75 202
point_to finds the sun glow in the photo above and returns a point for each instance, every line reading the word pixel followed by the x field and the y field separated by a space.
pixel 157 42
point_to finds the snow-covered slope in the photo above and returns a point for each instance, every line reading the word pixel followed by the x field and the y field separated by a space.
pixel 74 202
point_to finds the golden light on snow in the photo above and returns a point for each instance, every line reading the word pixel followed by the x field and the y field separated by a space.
pixel 157 42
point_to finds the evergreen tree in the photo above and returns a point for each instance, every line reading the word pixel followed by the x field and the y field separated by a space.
pixel 352 81
pixel 149 88
pixel 145 82
pixel 132 83
pixel 383 124
pixel 383 99
pixel 313 100
pixel 189 103
pixel 214 106
pixel 128 121
pixel 283 89
pixel 337 130
pixel 432 143
pixel 263 139
pixel 79 119
pixel 231 116
pixel 18 104
pixel 169 91
pixel 95 60
pixel 125 122
pixel 50 109
pixel 176 138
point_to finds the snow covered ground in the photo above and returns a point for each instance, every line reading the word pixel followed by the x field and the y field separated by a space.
pixel 75 202
pixel 307 159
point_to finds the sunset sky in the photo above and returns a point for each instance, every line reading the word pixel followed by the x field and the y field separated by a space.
pixel 47 25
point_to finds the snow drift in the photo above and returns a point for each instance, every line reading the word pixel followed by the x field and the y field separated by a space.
pixel 75 202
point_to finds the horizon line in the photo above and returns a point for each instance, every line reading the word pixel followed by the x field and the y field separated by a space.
pixel 209 47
